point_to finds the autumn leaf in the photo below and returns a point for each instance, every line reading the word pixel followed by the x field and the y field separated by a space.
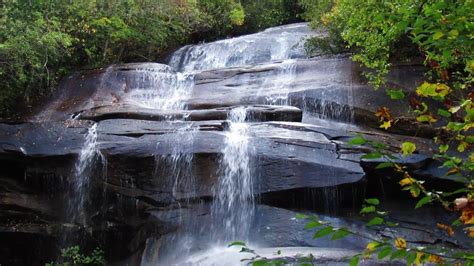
pixel 448 229
pixel 434 259
pixel 383 113
pixel 467 214
pixel 442 89
pixel 470 231
pixel 452 171
pixel 400 243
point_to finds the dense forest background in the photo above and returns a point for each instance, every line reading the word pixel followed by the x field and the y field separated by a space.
pixel 42 41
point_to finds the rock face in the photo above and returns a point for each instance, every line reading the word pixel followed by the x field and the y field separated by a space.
pixel 164 137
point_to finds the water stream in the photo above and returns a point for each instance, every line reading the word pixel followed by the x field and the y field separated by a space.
pixel 233 201
pixel 84 169
pixel 233 204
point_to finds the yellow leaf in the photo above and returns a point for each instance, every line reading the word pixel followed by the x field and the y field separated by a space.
pixel 408 148
pixel 426 118
pixel 418 258
pixel 406 181
pixel 415 192
pixel 434 259
pixel 442 89
pixel 371 246
pixel 400 243
pixel 468 126
pixel 385 125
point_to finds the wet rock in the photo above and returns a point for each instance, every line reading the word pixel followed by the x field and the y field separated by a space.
pixel 254 113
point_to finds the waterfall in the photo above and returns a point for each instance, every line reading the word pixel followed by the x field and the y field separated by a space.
pixel 83 171
pixel 176 169
pixel 281 83
pixel 233 204
pixel 273 44
pixel 162 90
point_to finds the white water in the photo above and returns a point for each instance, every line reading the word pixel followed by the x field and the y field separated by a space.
pixel 281 83
pixel 176 169
pixel 162 91
pixel 83 171
pixel 233 204
pixel 273 44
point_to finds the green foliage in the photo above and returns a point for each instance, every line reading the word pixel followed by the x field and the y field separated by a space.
pixel 264 14
pixel 74 256
pixel 330 43
pixel 42 41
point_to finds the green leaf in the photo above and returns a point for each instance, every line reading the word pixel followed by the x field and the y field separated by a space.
pixel 423 201
pixel 236 243
pixel 456 222
pixel 323 232
pixel 438 35
pixel 453 34
pixel 375 221
pixel 372 155
pixel 401 253
pixel 312 225
pixel 368 209
pixel 391 224
pixel 408 148
pixel 340 233
pixel 358 140
pixel 396 94
pixel 411 257
pixel 443 148
pixel 444 113
pixel 301 216
pixel 373 201
pixel 384 252
pixel 384 165
pixel 354 261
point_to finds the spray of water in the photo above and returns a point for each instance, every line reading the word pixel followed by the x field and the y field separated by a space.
pixel 233 204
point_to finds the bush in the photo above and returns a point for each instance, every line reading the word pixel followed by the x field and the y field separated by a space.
pixel 73 256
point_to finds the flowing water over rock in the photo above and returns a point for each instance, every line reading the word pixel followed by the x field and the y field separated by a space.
pixel 277 43
pixel 233 203
pixel 194 159
pixel 89 156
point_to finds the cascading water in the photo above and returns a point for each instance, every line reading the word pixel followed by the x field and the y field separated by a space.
pixel 273 44
pixel 177 168
pixel 281 83
pixel 233 204
pixel 84 168
pixel 163 90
